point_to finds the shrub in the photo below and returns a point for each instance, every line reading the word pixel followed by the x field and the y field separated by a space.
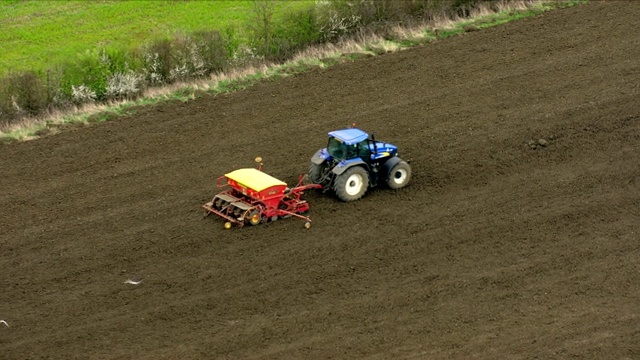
pixel 24 95
pixel 8 112
pixel 158 62
pixel 244 56
pixel 211 49
pixel 125 85
pixel 82 94
pixel 297 29
pixel 334 20
pixel 55 98
pixel 260 26
pixel 86 77
pixel 463 7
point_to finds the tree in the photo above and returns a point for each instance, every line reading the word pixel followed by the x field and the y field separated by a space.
pixel 261 25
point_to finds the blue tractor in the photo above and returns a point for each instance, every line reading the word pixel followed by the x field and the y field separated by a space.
pixel 353 162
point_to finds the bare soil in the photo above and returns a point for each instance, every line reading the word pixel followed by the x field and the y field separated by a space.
pixel 503 246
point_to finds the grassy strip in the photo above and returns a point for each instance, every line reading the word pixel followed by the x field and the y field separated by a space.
pixel 323 56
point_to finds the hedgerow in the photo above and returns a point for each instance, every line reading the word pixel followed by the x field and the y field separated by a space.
pixel 112 74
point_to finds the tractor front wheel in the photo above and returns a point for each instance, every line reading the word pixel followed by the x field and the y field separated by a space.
pixel 399 175
pixel 351 184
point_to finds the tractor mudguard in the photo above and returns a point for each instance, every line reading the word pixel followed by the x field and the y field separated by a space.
pixel 320 156
pixel 346 164
pixel 388 165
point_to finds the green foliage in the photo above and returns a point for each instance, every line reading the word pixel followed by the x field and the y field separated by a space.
pixel 463 7
pixel 91 69
pixel 296 30
pixel 213 49
pixel 260 25
pixel 335 19
pixel 568 3
pixel 22 94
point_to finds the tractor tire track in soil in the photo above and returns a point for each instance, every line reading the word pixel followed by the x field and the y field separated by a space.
pixel 502 246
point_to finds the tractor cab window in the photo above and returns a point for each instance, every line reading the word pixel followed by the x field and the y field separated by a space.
pixel 363 150
pixel 337 149
pixel 352 151
pixel 340 151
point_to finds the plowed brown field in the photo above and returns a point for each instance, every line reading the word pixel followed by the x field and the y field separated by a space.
pixel 495 250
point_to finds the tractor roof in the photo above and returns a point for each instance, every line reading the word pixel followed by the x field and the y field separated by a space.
pixel 254 179
pixel 350 136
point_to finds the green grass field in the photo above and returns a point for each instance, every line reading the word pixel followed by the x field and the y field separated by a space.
pixel 37 34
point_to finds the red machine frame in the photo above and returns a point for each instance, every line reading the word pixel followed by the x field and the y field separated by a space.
pixel 241 203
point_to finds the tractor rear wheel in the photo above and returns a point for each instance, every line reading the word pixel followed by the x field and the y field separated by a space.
pixel 351 184
pixel 399 175
pixel 317 173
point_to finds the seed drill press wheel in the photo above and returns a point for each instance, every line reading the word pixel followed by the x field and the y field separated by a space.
pixel 254 218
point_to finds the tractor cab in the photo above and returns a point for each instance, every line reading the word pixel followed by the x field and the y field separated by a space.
pixel 350 144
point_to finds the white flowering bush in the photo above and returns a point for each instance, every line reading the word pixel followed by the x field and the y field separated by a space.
pixel 124 85
pixel 179 72
pixel 152 67
pixel 335 19
pixel 16 107
pixel 245 55
pixel 187 62
pixel 82 94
